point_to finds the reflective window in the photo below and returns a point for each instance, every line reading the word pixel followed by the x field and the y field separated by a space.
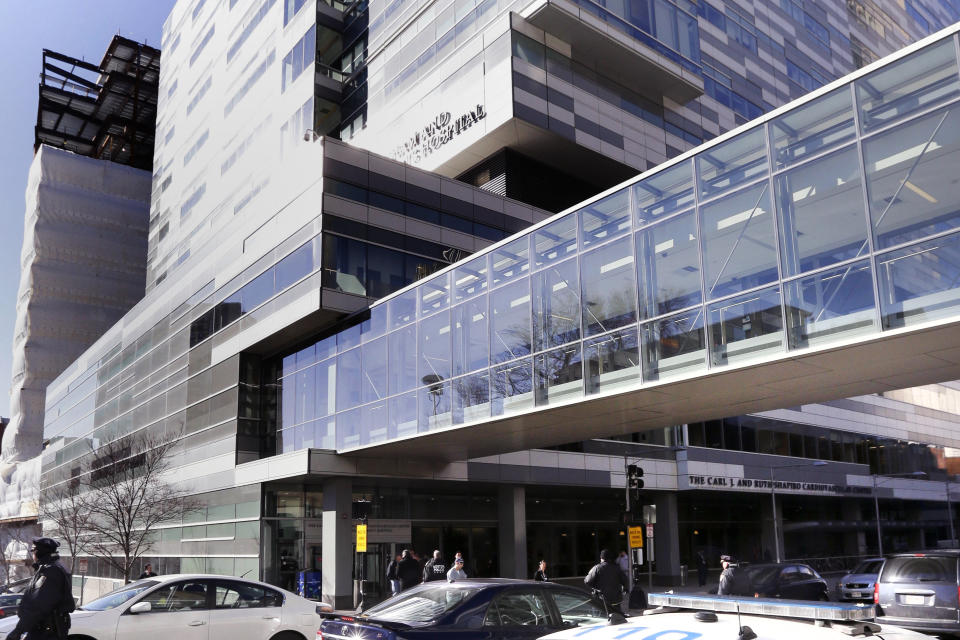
pixel 511 387
pixel 434 294
pixel 822 217
pixel 556 305
pixel 824 123
pixel 326 390
pixel 738 243
pixel 510 261
pixel 668 265
pixel 344 265
pixel 385 271
pixel 434 350
pixel 612 360
pixel 402 415
pixel 605 219
pixel 348 428
pixel 436 406
pixel 470 279
pixel 558 374
pixel 471 398
pixel 608 287
pixel 402 309
pixel 306 382
pixel 349 378
pixel 179 596
pixel 673 345
pixel 830 305
pixel 374 382
pixel 374 326
pixel 911 173
pixel 919 283
pixel 373 418
pixel 913 83
pixel 471 337
pixel 555 241
pixel 510 321
pixel 663 193
pixel 294 267
pixel 746 327
pixel 736 161
pixel 402 372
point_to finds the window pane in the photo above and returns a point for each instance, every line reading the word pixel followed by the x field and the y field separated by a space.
pixel 402 309
pixel 826 122
pixel 434 350
pixel 918 81
pixel 511 388
pixel 349 376
pixel 402 372
pixel 612 361
pixel 910 178
pixel 674 345
pixel 295 266
pixel 470 279
pixel 559 374
pixel 471 336
pixel 738 244
pixel 374 370
pixel 669 266
pixel 510 324
pixel 919 283
pixel 510 261
pixel 348 428
pixel 830 305
pixel 556 241
pixel 435 406
pixel 666 192
pixel 605 219
pixel 373 420
pixel 556 305
pixel 471 397
pixel 608 287
pixel 344 265
pixel 746 327
pixel 385 271
pixel 822 216
pixel 739 160
pixel 402 415
pixel 306 382
pixel 326 390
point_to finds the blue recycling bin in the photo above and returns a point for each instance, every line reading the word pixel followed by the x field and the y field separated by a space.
pixel 308 584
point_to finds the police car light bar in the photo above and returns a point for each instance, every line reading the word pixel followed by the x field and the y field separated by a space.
pixel 766 607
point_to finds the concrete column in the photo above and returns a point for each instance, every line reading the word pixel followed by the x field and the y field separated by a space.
pixel 666 536
pixel 512 532
pixel 337 562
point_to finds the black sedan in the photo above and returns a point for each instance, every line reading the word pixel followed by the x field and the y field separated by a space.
pixel 483 609
pixel 792 581
pixel 9 603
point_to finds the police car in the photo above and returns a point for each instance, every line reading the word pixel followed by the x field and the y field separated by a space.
pixel 696 617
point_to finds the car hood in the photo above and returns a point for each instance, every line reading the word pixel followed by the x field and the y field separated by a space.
pixel 859 577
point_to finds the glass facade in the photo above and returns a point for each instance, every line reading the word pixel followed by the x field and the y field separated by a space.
pixel 835 218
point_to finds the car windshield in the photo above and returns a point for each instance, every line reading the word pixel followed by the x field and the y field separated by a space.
pixel 868 566
pixel 116 598
pixel 9 600
pixel 422 605
pixel 915 569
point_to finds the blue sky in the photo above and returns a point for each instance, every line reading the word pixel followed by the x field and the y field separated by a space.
pixel 78 28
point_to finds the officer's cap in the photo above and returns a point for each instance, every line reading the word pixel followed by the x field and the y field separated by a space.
pixel 45 545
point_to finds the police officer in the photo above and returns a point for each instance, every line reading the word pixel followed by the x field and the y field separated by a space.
pixel 44 609
pixel 609 580
pixel 729 578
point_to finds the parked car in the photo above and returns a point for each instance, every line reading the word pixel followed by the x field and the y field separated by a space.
pixel 858 584
pixel 9 602
pixel 496 609
pixel 194 607
pixel 920 591
pixel 793 581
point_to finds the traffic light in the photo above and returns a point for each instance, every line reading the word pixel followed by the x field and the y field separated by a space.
pixel 634 476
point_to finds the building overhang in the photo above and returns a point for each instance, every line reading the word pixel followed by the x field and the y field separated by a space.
pixel 603 47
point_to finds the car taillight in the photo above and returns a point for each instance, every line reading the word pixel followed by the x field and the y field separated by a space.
pixel 319 634
pixel 876 592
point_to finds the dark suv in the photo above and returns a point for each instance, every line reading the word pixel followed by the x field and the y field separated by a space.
pixel 919 591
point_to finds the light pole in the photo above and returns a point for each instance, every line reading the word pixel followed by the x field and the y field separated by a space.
pixel 773 500
pixel 876 501
pixel 946 486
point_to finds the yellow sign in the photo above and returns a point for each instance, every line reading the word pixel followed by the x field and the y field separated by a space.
pixel 362 538
pixel 636 537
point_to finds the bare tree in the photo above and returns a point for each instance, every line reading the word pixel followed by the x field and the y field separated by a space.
pixel 66 511
pixel 14 552
pixel 130 497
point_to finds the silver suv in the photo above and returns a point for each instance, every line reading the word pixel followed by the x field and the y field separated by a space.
pixel 920 591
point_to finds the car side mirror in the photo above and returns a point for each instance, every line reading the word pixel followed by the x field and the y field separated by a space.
pixel 140 607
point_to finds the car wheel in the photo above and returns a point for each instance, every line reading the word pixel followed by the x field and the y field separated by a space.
pixel 288 635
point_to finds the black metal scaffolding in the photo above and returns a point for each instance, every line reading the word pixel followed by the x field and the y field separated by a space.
pixel 107 111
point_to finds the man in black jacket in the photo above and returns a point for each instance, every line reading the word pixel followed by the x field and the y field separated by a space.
pixel 408 571
pixel 607 578
pixel 47 602
pixel 435 568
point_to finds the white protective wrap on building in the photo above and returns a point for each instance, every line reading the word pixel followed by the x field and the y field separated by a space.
pixel 83 265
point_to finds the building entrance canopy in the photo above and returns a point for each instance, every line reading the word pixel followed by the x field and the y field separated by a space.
pixel 812 254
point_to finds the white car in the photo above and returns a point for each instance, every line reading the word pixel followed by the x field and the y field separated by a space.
pixel 194 607
pixel 715 618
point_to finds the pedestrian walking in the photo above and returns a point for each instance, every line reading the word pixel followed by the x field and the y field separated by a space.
pixel 607 578
pixel 44 612
pixel 729 577
pixel 147 572
pixel 541 574
pixel 435 568
pixel 701 568
pixel 456 571
pixel 408 570
pixel 393 576
pixel 623 561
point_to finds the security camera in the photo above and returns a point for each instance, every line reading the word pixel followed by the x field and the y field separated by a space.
pixel 309 135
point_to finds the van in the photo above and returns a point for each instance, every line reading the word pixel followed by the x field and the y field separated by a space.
pixel 920 591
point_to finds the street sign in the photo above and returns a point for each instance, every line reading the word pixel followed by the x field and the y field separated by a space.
pixel 636 537
pixel 649 530
pixel 362 538
pixel 82 565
